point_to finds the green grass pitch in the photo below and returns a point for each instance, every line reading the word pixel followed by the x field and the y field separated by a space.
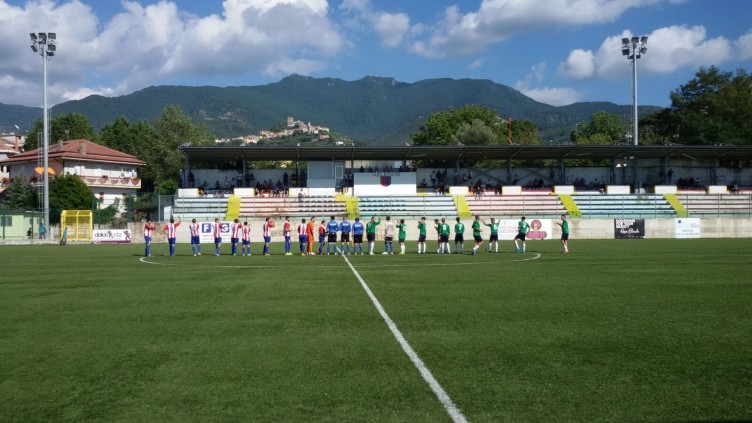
pixel 618 330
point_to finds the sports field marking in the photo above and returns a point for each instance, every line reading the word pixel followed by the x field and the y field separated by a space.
pixel 441 394
pixel 532 256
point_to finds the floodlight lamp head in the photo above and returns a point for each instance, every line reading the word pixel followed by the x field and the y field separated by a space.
pixel 51 47
pixel 625 41
pixel 50 53
pixel 53 36
pixel 644 39
pixel 43 36
pixel 625 51
pixel 33 36
pixel 34 48
pixel 635 40
pixel 643 50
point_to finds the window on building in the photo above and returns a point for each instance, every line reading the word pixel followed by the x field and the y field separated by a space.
pixel 6 221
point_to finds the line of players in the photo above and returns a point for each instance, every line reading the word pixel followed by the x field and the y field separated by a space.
pixel 240 234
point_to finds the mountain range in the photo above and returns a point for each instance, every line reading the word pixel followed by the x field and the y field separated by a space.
pixel 372 110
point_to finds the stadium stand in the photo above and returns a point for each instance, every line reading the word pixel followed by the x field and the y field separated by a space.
pixel 200 207
pixel 255 207
pixel 513 206
pixel 408 206
pixel 718 205
pixel 644 205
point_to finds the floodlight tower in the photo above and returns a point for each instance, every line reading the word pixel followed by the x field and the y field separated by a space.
pixel 44 43
pixel 634 49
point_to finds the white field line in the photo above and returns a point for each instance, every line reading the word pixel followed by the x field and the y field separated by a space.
pixel 441 394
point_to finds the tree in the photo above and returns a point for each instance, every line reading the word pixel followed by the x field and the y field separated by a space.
pixel 76 124
pixel 714 107
pixel 604 128
pixel 20 194
pixel 442 128
pixel 69 192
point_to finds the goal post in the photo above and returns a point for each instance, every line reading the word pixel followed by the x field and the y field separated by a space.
pixel 79 224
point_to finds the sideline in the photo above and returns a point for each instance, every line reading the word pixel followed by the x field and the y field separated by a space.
pixel 441 394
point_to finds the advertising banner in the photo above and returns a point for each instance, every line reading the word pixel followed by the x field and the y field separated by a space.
pixel 111 236
pixel 688 227
pixel 206 235
pixel 629 228
pixel 539 229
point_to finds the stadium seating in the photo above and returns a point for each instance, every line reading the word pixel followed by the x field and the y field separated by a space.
pixel 407 206
pixel 200 208
pixel 719 205
pixel 256 207
pixel 544 205
pixel 644 205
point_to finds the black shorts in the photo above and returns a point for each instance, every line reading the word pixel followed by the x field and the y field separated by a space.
pixel 564 237
pixel 402 240
pixel 332 237
pixel 388 238
pixel 478 238
pixel 459 238
pixel 345 237
pixel 443 238
pixel 371 237
pixel 358 238
pixel 520 236
pixel 493 237
pixel 422 238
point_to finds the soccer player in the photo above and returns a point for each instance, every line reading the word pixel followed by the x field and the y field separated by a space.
pixel 437 226
pixel 522 228
pixel 267 231
pixel 287 230
pixel 476 235
pixel 170 230
pixel 322 236
pixel 195 238
pixel 358 229
pixel 444 231
pixel 235 229
pixel 344 229
pixel 493 239
pixel 149 227
pixel 459 237
pixel 388 236
pixel 246 233
pixel 217 230
pixel 402 235
pixel 310 229
pixel 422 235
pixel 332 228
pixel 564 233
pixel 303 236
pixel 371 233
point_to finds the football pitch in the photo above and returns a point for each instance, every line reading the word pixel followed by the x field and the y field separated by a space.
pixel 617 330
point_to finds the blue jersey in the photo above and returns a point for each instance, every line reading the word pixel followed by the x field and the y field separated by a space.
pixel 332 227
pixel 345 227
pixel 358 228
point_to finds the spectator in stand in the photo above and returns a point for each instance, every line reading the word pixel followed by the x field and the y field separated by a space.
pixel 362 169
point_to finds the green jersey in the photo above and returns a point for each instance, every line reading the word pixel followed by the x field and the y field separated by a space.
pixel 459 228
pixel 494 228
pixel 422 228
pixel 476 228
pixel 523 227
pixel 565 227
pixel 443 229
pixel 371 226
pixel 402 230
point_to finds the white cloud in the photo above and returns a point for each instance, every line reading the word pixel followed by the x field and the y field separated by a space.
pixel 478 63
pixel 460 33
pixel 159 43
pixel 391 27
pixel 668 49
pixel 743 46
pixel 555 96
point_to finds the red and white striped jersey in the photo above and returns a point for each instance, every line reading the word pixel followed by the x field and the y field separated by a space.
pixel 236 229
pixel 170 229
pixel 246 233
pixel 148 229
pixel 302 229
pixel 194 229
pixel 268 228
pixel 217 229
pixel 286 228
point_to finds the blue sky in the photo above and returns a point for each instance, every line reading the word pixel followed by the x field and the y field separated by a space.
pixel 555 51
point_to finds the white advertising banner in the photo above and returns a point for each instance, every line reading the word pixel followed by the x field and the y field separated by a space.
pixel 539 229
pixel 207 236
pixel 688 227
pixel 111 236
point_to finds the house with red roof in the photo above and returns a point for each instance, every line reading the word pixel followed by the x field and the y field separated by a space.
pixel 109 173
